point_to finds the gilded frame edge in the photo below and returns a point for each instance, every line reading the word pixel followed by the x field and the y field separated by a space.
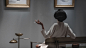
pixel 18 5
pixel 55 4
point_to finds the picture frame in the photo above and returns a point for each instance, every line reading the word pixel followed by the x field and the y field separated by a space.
pixel 64 3
pixel 18 3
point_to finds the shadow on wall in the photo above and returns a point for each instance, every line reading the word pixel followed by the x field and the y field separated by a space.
pixel 1 17
pixel 1 12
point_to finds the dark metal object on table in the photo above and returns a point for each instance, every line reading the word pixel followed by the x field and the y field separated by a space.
pixel 31 43
pixel 75 45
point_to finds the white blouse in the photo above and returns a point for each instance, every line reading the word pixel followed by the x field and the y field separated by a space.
pixel 59 29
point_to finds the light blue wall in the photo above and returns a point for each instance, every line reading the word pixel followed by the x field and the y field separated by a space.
pixel 16 20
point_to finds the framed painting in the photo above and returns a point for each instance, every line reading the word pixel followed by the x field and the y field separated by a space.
pixel 18 3
pixel 64 3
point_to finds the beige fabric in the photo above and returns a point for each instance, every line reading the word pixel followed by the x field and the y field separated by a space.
pixel 43 45
pixel 59 29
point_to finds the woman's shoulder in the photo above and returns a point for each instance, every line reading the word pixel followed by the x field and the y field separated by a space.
pixel 66 24
pixel 62 23
pixel 55 24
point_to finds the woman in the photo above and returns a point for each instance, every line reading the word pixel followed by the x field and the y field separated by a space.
pixel 59 29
